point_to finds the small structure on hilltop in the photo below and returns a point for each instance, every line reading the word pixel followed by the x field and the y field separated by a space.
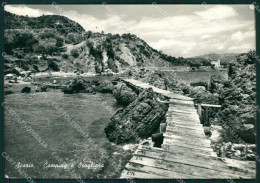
pixel 216 64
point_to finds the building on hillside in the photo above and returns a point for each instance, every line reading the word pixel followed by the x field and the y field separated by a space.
pixel 216 64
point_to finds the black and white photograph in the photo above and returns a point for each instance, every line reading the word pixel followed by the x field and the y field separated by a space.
pixel 129 91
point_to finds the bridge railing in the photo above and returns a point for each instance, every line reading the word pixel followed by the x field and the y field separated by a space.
pixel 207 106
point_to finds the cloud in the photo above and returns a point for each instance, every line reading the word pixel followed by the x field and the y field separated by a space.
pixel 203 37
pixel 217 12
pixel 24 10
pixel 242 36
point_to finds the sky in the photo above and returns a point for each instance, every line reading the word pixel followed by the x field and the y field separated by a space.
pixel 177 30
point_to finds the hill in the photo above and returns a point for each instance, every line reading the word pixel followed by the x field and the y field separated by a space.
pixel 225 58
pixel 55 43
pixel 62 24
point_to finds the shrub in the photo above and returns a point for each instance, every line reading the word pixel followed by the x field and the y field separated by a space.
pixel 19 54
pixel 52 65
pixel 25 66
pixel 74 53
pixel 65 56
pixel 96 53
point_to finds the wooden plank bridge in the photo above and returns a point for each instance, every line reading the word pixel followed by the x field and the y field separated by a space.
pixel 186 152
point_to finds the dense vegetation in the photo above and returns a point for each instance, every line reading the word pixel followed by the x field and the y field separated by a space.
pixel 31 43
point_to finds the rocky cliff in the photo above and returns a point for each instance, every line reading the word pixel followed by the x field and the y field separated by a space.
pixel 238 99
pixel 138 120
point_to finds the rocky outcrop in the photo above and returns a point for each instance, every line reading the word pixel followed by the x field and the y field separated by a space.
pixel 216 83
pixel 8 92
pixel 139 119
pixel 26 90
pixel 76 85
pixel 123 94
pixel 43 88
pixel 80 85
pixel 238 99
pixel 105 87
pixel 199 83
pixel 237 151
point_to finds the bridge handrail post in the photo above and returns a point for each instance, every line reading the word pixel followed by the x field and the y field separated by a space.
pixel 199 110
pixel 207 116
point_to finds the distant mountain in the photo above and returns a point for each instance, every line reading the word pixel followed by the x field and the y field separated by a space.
pixel 53 42
pixel 224 58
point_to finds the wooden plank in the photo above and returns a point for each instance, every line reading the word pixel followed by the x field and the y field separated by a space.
pixel 192 115
pixel 185 132
pixel 157 90
pixel 179 152
pixel 182 111
pixel 185 109
pixel 173 147
pixel 176 101
pixel 183 121
pixel 176 143
pixel 204 142
pixel 192 145
pixel 198 160
pixel 177 112
pixel 209 105
pixel 185 135
pixel 135 167
pixel 171 121
pixel 178 96
pixel 188 142
pixel 186 122
pixel 178 159
pixel 181 168
pixel 193 130
pixel 180 105
pixel 181 125
pixel 126 174
pixel 182 117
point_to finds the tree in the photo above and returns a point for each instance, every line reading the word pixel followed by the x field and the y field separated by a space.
pixel 45 47
pixel 74 38
pixel 195 64
pixel 95 52
pixel 74 53
pixel 98 68
pixel 59 41
pixel 88 34
pixel 52 65
pixel 18 39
